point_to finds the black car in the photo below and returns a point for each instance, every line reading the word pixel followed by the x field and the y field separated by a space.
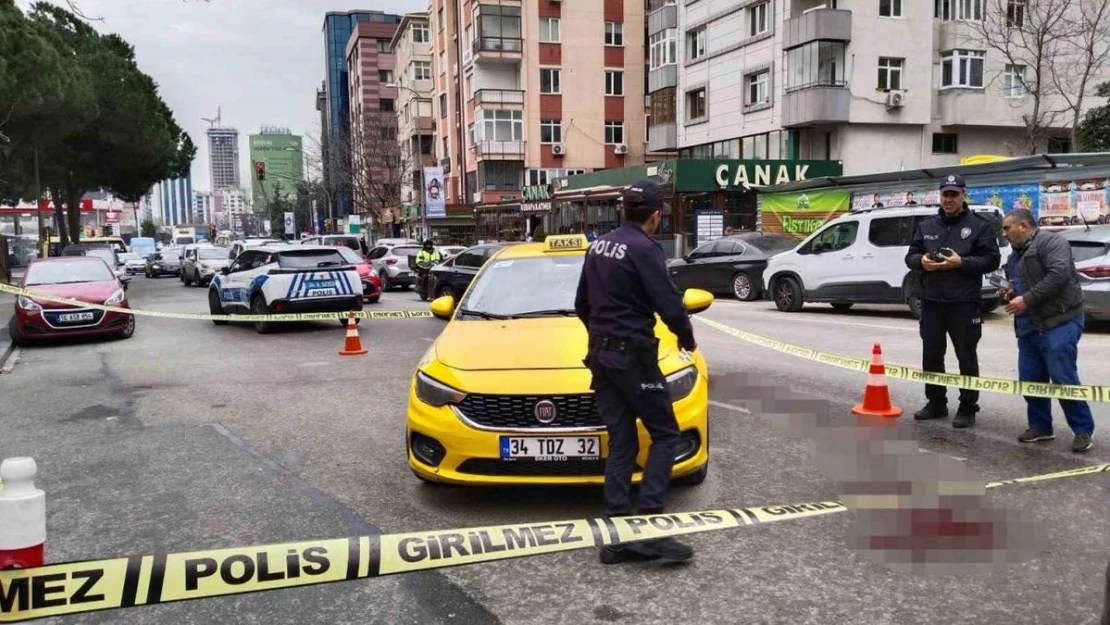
pixel 164 263
pixel 732 264
pixel 453 275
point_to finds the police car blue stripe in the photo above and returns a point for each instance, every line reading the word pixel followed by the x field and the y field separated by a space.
pixel 347 281
pixel 293 283
pixel 338 283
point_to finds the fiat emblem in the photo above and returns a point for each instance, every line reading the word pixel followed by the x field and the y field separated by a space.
pixel 544 411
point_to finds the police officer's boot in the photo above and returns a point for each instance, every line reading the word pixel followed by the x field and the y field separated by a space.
pixel 931 411
pixel 965 416
pixel 665 549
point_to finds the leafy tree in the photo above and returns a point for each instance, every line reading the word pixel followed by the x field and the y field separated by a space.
pixel 149 229
pixel 1094 130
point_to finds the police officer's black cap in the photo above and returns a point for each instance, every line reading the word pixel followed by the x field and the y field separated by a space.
pixel 646 193
pixel 952 182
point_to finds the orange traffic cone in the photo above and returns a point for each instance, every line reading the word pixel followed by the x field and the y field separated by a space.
pixel 876 395
pixel 353 346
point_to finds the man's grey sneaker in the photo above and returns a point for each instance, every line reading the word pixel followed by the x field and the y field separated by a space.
pixel 615 554
pixel 1081 443
pixel 665 549
pixel 1033 436
pixel 931 411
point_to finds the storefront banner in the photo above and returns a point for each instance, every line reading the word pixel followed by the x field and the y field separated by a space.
pixel 799 215
pixel 1074 201
pixel 1008 196
pixel 435 199
pixel 903 197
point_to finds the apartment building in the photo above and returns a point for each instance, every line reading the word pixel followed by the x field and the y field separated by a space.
pixel 374 170
pixel 530 91
pixel 879 84
pixel 412 49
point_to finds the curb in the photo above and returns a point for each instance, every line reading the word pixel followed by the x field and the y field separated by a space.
pixel 6 345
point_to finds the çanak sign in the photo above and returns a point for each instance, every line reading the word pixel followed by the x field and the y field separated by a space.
pixel 711 174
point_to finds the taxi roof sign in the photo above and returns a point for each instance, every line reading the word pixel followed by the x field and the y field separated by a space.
pixel 565 243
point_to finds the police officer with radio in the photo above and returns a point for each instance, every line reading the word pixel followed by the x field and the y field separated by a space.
pixel 951 252
pixel 624 283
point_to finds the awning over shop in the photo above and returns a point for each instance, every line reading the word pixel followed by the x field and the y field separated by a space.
pixel 603 192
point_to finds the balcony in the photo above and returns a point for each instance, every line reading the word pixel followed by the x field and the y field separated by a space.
pixel 499 98
pixel 663 137
pixel 821 103
pixel 499 150
pixel 498 49
pixel 817 25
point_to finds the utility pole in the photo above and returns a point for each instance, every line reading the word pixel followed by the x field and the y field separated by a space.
pixel 38 200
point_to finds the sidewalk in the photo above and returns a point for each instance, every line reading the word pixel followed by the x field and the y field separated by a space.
pixel 6 304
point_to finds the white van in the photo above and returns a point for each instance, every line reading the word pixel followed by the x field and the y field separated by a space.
pixel 859 258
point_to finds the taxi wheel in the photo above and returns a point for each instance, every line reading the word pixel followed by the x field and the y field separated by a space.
pixel 258 307
pixel 695 478
pixel 214 308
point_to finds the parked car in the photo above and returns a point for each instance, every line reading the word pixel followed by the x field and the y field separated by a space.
pixel 84 278
pixel 859 258
pixel 395 242
pixel 733 264
pixel 164 263
pixel 450 251
pixel 392 265
pixel 105 252
pixel 238 247
pixel 133 263
pixel 347 240
pixel 1090 249
pixel 202 263
pixel 371 283
pixel 453 276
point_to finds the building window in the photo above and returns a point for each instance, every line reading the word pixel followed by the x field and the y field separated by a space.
pixel 385 105
pixel 757 88
pixel 945 143
pixel 549 30
pixel 446 149
pixel 499 125
pixel 383 46
pixel 439 20
pixel 1015 13
pixel 662 46
pixel 696 42
pixel 965 10
pixel 890 73
pixel 890 8
pixel 695 105
pixel 1059 145
pixel 498 27
pixel 758 19
pixel 549 80
pixel 551 131
pixel 962 68
pixel 421 70
pixel 443 105
pixel 1013 81
pixel 419 33
pixel 614 34
pixel 384 76
pixel 818 63
pixel 426 144
pixel 663 106
pixel 544 177
pixel 614 83
pixel 614 133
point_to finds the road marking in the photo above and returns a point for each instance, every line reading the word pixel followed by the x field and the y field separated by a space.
pixel 721 404
pixel 845 323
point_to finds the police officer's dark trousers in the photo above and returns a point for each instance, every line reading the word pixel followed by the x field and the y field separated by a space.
pixel 963 322
pixel 627 383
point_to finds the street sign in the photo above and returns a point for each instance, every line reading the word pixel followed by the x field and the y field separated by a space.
pixel 290 226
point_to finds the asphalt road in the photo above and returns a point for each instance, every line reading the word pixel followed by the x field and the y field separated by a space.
pixel 191 436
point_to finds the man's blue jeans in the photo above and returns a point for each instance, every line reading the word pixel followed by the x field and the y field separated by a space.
pixel 1051 356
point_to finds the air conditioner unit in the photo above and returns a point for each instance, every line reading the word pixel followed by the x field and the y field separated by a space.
pixel 620 148
pixel 895 99
pixel 558 149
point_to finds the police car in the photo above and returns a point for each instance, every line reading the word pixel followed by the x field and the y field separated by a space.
pixel 284 278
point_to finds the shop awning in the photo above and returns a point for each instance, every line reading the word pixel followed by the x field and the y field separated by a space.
pixel 604 192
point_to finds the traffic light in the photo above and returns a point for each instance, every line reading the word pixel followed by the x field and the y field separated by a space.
pixel 212 233
pixel 260 170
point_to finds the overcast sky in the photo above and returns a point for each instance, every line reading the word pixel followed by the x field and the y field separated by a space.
pixel 260 60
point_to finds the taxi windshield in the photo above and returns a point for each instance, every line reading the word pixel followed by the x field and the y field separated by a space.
pixel 520 287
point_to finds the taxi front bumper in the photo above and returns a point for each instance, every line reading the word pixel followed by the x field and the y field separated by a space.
pixel 442 447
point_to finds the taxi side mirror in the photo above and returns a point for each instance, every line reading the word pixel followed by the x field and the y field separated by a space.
pixel 443 307
pixel 697 300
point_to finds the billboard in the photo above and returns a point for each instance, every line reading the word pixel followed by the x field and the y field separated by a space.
pixel 799 215
pixel 435 199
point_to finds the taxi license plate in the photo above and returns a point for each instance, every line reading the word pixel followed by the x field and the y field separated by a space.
pixel 550 448
pixel 81 316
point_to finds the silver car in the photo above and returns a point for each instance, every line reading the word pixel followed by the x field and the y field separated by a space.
pixel 1090 249
pixel 132 263
pixel 202 263
pixel 392 265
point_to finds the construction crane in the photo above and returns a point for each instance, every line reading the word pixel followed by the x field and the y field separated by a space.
pixel 213 122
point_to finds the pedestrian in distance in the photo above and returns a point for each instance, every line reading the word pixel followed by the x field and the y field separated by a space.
pixel 624 283
pixel 950 253
pixel 1042 292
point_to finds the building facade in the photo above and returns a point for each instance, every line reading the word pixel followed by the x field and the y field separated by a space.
pixel 175 201
pixel 283 154
pixel 223 157
pixel 203 212
pixel 528 92
pixel 374 168
pixel 878 84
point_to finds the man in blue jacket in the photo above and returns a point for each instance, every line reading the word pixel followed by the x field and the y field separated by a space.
pixel 1047 303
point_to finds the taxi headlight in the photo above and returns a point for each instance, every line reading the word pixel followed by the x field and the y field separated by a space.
pixel 116 298
pixel 27 303
pixel 436 393
pixel 681 383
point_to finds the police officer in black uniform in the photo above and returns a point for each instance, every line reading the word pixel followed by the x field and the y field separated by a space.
pixel 952 251
pixel 624 284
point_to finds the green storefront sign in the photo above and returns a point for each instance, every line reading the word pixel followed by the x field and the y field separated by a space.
pixel 799 215
pixel 707 175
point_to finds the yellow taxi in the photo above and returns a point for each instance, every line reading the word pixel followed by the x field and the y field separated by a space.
pixel 502 396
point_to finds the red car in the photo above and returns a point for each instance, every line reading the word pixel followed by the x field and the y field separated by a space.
pixel 371 282
pixel 84 278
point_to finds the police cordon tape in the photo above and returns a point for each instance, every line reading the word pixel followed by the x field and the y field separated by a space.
pixel 276 317
pixel 94 585
pixel 1084 392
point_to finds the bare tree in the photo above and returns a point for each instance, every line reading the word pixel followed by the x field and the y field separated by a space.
pixel 376 165
pixel 1084 59
pixel 1035 36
